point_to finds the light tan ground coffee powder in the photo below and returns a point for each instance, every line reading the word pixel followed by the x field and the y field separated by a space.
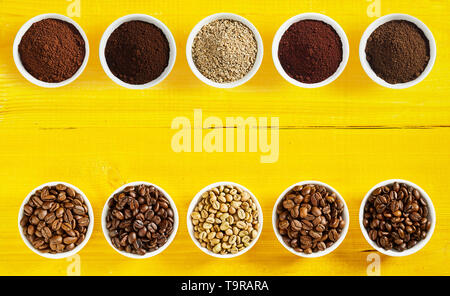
pixel 224 50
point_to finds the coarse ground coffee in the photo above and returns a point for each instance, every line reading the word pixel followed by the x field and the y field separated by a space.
pixel 137 52
pixel 52 50
pixel 310 51
pixel 224 50
pixel 398 51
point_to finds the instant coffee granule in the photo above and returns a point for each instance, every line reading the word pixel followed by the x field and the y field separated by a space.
pixel 310 51
pixel 224 50
pixel 398 51
pixel 52 50
pixel 137 52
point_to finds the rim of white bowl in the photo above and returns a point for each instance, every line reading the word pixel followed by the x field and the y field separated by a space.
pixel 333 247
pixel 18 61
pixel 317 17
pixel 88 232
pixel 195 201
pixel 420 244
pixel 387 18
pixel 169 240
pixel 231 16
pixel 148 19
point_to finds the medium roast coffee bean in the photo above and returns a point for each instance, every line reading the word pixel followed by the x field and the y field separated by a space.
pixel 51 225
pixel 396 216
pixel 310 218
pixel 139 219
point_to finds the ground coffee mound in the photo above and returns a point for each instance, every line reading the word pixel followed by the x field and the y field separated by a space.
pixel 137 52
pixel 52 50
pixel 398 51
pixel 310 51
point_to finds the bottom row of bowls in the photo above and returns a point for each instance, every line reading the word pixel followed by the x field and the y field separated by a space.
pixel 310 219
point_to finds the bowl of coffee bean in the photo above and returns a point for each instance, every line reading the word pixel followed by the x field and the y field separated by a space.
pixel 310 219
pixel 140 220
pixel 56 220
pixel 397 217
pixel 224 220
pixel 397 51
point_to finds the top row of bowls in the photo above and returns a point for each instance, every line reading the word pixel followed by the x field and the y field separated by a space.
pixel 258 58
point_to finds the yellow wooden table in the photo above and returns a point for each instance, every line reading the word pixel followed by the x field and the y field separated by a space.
pixel 96 135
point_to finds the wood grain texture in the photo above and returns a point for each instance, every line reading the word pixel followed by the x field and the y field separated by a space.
pixel 96 135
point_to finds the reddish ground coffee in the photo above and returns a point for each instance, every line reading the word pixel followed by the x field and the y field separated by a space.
pixel 137 52
pixel 398 51
pixel 52 50
pixel 310 51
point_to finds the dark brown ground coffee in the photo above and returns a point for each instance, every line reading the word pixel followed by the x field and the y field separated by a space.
pixel 52 50
pixel 137 52
pixel 398 51
pixel 310 51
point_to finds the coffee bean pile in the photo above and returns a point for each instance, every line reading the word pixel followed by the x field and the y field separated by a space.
pixel 396 217
pixel 55 219
pixel 226 220
pixel 139 220
pixel 310 218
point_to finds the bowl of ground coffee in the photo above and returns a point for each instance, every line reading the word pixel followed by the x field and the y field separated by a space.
pixel 397 217
pixel 310 219
pixel 310 50
pixel 56 220
pixel 224 50
pixel 139 220
pixel 397 51
pixel 50 50
pixel 137 51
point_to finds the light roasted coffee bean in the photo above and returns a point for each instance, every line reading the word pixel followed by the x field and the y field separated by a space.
pixel 140 219
pixel 396 216
pixel 316 224
pixel 48 222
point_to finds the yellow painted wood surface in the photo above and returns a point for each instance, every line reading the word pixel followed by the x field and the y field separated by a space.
pixel 96 135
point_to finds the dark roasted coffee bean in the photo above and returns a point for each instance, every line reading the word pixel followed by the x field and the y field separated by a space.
pixel 398 225
pixel 140 219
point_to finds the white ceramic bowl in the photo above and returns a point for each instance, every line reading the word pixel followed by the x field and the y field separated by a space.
pixel 194 203
pixel 387 18
pixel 317 17
pixel 420 244
pixel 149 254
pixel 88 232
pixel 346 218
pixel 144 18
pixel 230 16
pixel 18 61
